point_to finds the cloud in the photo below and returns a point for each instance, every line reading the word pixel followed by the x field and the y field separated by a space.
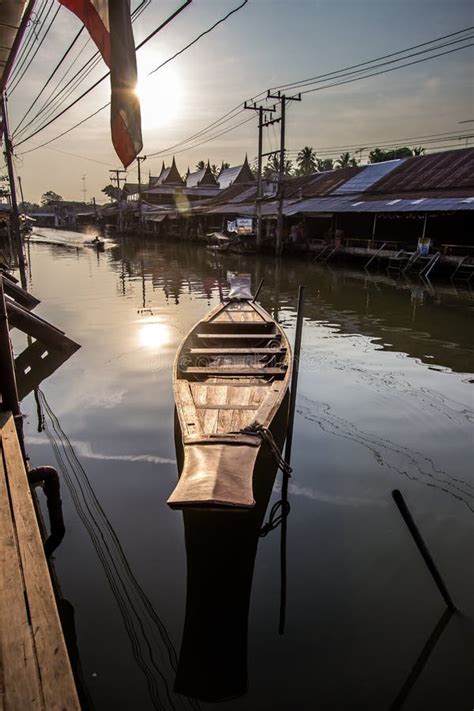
pixel 84 449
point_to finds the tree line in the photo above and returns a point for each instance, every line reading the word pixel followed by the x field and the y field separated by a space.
pixel 307 160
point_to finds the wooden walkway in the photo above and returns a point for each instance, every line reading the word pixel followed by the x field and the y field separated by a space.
pixel 35 673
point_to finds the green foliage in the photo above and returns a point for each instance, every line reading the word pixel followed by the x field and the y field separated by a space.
pixel 378 155
pixel 345 160
pixel 112 192
pixel 306 161
pixel 201 165
pixel 273 166
pixel 50 197
pixel 324 164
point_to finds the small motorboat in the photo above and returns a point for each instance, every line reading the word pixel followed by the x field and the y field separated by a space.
pixel 231 375
pixel 98 243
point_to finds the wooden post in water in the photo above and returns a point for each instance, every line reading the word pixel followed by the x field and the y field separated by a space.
pixel 289 442
pixel 258 289
pixel 417 537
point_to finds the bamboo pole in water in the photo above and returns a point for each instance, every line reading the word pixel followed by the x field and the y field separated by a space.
pixel 288 446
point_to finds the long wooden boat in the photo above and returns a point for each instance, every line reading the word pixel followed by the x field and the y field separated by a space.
pixel 231 374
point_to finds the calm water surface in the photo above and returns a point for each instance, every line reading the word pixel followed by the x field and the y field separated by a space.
pixel 385 401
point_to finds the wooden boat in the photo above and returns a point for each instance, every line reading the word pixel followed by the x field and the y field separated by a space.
pixel 231 374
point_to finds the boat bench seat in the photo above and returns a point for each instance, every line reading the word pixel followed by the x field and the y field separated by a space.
pixel 236 351
pixel 249 336
pixel 235 370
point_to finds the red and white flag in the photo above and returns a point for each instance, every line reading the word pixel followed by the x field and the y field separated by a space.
pixel 110 27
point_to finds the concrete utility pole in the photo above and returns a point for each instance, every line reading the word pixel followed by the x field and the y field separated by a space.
pixel 15 217
pixel 119 195
pixel 261 124
pixel 140 160
pixel 84 191
pixel 282 98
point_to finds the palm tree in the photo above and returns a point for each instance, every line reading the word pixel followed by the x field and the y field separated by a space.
pixel 345 161
pixel 273 166
pixel 201 165
pixel 306 160
pixel 324 164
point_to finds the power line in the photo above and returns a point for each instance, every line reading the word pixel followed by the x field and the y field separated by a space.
pixel 11 89
pixel 30 39
pixel 99 81
pixel 196 39
pixel 440 137
pixel 78 34
pixel 234 112
pixel 51 104
pixel 386 71
pixel 371 61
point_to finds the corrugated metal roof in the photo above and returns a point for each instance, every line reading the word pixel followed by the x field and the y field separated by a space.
pixel 227 176
pixel 368 176
pixel 360 204
pixel 437 171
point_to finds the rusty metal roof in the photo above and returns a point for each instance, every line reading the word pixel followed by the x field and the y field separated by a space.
pixel 438 172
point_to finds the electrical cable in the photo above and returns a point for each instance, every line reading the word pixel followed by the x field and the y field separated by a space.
pixel 51 104
pixel 99 81
pixel 196 39
pixel 78 34
pixel 372 61
pixel 11 88
pixel 29 40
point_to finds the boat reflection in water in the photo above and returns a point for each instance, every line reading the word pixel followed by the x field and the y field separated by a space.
pixel 221 545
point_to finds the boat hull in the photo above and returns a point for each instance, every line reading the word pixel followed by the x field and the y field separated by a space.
pixel 231 375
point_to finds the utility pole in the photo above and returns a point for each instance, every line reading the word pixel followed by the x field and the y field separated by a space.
pixel 140 160
pixel 282 98
pixel 261 124
pixel 84 191
pixel 21 192
pixel 15 217
pixel 119 196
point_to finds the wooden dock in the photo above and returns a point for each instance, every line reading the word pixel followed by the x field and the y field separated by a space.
pixel 35 672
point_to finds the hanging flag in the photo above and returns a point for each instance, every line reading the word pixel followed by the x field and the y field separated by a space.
pixel 110 27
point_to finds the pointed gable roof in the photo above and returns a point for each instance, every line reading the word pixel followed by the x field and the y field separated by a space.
pixel 203 177
pixel 169 176
pixel 236 174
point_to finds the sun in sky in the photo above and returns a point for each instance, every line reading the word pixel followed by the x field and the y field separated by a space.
pixel 160 94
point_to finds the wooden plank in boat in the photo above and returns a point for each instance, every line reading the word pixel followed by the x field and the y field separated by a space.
pixel 240 327
pixel 236 370
pixel 250 336
pixel 186 403
pixel 237 351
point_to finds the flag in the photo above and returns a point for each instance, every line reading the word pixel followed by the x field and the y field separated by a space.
pixel 110 27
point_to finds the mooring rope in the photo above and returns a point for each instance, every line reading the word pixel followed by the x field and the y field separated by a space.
pixel 279 510
pixel 260 431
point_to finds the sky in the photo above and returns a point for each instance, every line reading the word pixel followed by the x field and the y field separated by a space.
pixel 266 44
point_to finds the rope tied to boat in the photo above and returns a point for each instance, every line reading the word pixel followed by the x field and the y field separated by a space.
pixel 279 510
pixel 258 430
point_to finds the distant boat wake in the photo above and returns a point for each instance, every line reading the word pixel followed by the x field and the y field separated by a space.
pixel 67 238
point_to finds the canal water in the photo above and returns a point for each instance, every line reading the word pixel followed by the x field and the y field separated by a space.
pixel 385 401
